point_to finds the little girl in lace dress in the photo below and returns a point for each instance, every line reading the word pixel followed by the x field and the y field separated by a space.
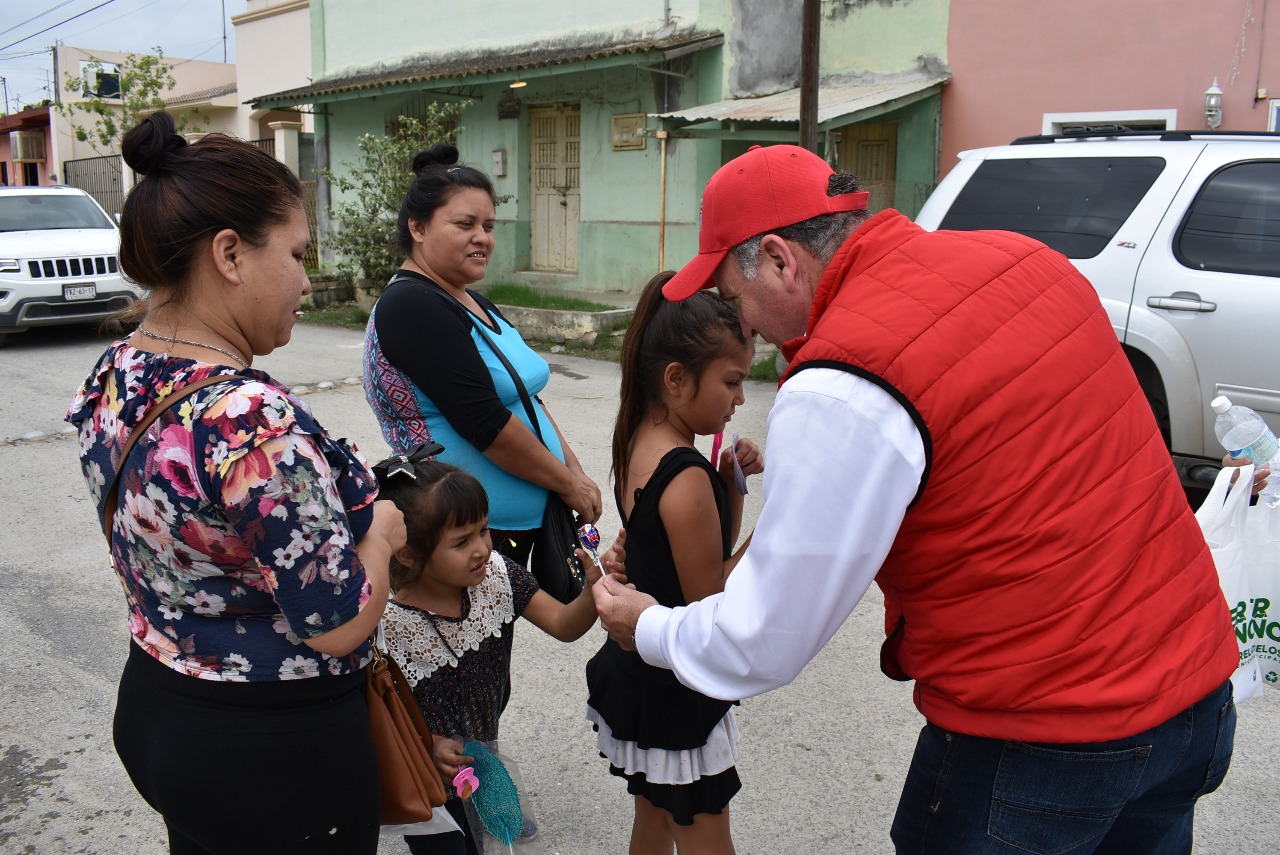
pixel 447 626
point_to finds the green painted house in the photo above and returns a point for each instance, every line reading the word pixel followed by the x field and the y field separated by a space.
pixel 602 120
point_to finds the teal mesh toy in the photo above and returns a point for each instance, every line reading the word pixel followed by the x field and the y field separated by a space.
pixel 496 799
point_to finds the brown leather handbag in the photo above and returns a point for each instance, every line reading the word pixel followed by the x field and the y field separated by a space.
pixel 408 778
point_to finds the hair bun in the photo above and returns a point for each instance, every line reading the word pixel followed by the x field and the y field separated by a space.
pixel 440 154
pixel 148 146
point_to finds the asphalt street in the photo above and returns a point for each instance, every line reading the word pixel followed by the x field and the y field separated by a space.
pixel 822 759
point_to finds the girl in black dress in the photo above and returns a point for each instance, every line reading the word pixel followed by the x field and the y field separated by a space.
pixel 683 367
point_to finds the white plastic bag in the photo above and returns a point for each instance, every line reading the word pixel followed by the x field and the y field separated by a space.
pixel 1224 519
pixel 528 843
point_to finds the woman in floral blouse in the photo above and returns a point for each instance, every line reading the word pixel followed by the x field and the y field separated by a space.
pixel 251 551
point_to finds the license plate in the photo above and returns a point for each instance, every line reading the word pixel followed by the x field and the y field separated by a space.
pixel 79 292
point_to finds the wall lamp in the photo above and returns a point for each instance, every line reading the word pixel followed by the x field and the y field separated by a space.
pixel 1213 105
pixel 518 83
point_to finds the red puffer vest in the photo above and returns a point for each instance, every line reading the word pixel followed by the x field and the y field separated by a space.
pixel 1049 583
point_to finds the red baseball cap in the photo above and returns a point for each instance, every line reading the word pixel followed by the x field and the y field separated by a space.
pixel 765 189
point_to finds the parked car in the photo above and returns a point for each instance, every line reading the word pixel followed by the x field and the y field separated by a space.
pixel 58 260
pixel 1179 232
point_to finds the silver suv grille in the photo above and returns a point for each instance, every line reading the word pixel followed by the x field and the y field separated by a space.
pixel 64 268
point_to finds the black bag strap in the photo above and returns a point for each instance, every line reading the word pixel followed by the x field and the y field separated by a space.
pixel 111 499
pixel 515 378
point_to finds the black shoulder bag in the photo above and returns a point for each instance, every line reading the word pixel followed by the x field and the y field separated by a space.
pixel 553 561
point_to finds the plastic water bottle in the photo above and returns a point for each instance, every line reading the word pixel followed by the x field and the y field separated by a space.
pixel 1243 433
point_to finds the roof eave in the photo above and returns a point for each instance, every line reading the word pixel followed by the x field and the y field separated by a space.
pixel 778 127
pixel 394 83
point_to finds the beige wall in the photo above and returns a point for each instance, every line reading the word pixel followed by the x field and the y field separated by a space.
pixel 273 53
pixel 1014 61
pixel 190 76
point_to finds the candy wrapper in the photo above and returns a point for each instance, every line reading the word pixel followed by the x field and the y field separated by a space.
pixel 739 479
pixel 589 537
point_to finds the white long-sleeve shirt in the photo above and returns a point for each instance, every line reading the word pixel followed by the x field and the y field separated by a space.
pixel 843 462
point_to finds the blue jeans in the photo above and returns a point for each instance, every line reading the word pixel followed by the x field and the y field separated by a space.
pixel 975 796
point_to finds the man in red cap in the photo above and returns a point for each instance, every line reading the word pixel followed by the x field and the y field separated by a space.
pixel 959 423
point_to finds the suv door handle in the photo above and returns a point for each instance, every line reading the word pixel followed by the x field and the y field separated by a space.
pixel 1182 301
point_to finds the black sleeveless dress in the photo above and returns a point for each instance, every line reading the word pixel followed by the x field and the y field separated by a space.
pixel 674 746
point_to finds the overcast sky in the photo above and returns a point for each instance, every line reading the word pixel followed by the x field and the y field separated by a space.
pixel 186 29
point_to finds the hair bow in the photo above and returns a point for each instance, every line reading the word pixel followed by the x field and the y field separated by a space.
pixel 402 464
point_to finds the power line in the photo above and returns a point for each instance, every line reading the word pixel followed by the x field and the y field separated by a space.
pixel 6 57
pixel 59 24
pixel 40 15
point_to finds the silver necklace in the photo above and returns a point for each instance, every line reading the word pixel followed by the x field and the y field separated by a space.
pixel 170 340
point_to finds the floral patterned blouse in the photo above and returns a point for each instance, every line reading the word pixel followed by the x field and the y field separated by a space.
pixel 237 520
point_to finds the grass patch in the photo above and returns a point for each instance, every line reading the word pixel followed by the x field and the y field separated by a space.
pixel 766 370
pixel 607 348
pixel 346 315
pixel 508 294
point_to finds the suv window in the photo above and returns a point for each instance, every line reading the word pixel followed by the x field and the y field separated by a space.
pixel 22 212
pixel 1073 204
pixel 1233 226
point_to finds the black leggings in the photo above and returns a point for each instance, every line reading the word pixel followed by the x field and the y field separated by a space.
pixel 279 767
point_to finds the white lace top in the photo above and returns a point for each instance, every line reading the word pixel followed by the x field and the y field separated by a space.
pixel 422 641
pixel 460 667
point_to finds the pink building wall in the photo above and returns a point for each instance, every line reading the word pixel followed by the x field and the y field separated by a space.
pixel 35 120
pixel 1013 61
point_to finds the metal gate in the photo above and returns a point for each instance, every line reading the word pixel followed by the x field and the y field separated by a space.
pixel 100 177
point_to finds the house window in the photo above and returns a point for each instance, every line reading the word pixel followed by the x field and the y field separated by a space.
pixel 99 79
pixel 31 174
pixel 1137 120
pixel 1273 114
pixel 4 174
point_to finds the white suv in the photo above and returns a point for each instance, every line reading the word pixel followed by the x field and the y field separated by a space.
pixel 58 260
pixel 1179 232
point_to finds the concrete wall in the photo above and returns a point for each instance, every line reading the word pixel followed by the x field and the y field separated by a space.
pixel 1089 56
pixel 884 36
pixel 347 43
pixel 764 46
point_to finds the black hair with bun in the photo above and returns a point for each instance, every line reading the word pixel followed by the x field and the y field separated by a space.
pixel 436 179
pixel 189 193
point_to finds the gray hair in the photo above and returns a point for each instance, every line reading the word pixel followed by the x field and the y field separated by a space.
pixel 819 236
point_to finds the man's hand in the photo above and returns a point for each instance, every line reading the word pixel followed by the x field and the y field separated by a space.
pixel 619 607
pixel 1260 474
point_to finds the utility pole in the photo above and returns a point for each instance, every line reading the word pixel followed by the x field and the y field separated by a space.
pixel 812 24
pixel 5 85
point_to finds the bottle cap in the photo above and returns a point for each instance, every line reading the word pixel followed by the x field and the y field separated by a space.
pixel 1220 404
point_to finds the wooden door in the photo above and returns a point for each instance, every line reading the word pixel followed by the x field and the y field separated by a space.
pixel 554 152
pixel 870 151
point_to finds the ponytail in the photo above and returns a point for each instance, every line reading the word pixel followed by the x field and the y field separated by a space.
pixel 692 332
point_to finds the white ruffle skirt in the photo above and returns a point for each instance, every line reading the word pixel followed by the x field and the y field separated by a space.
pixel 666 766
